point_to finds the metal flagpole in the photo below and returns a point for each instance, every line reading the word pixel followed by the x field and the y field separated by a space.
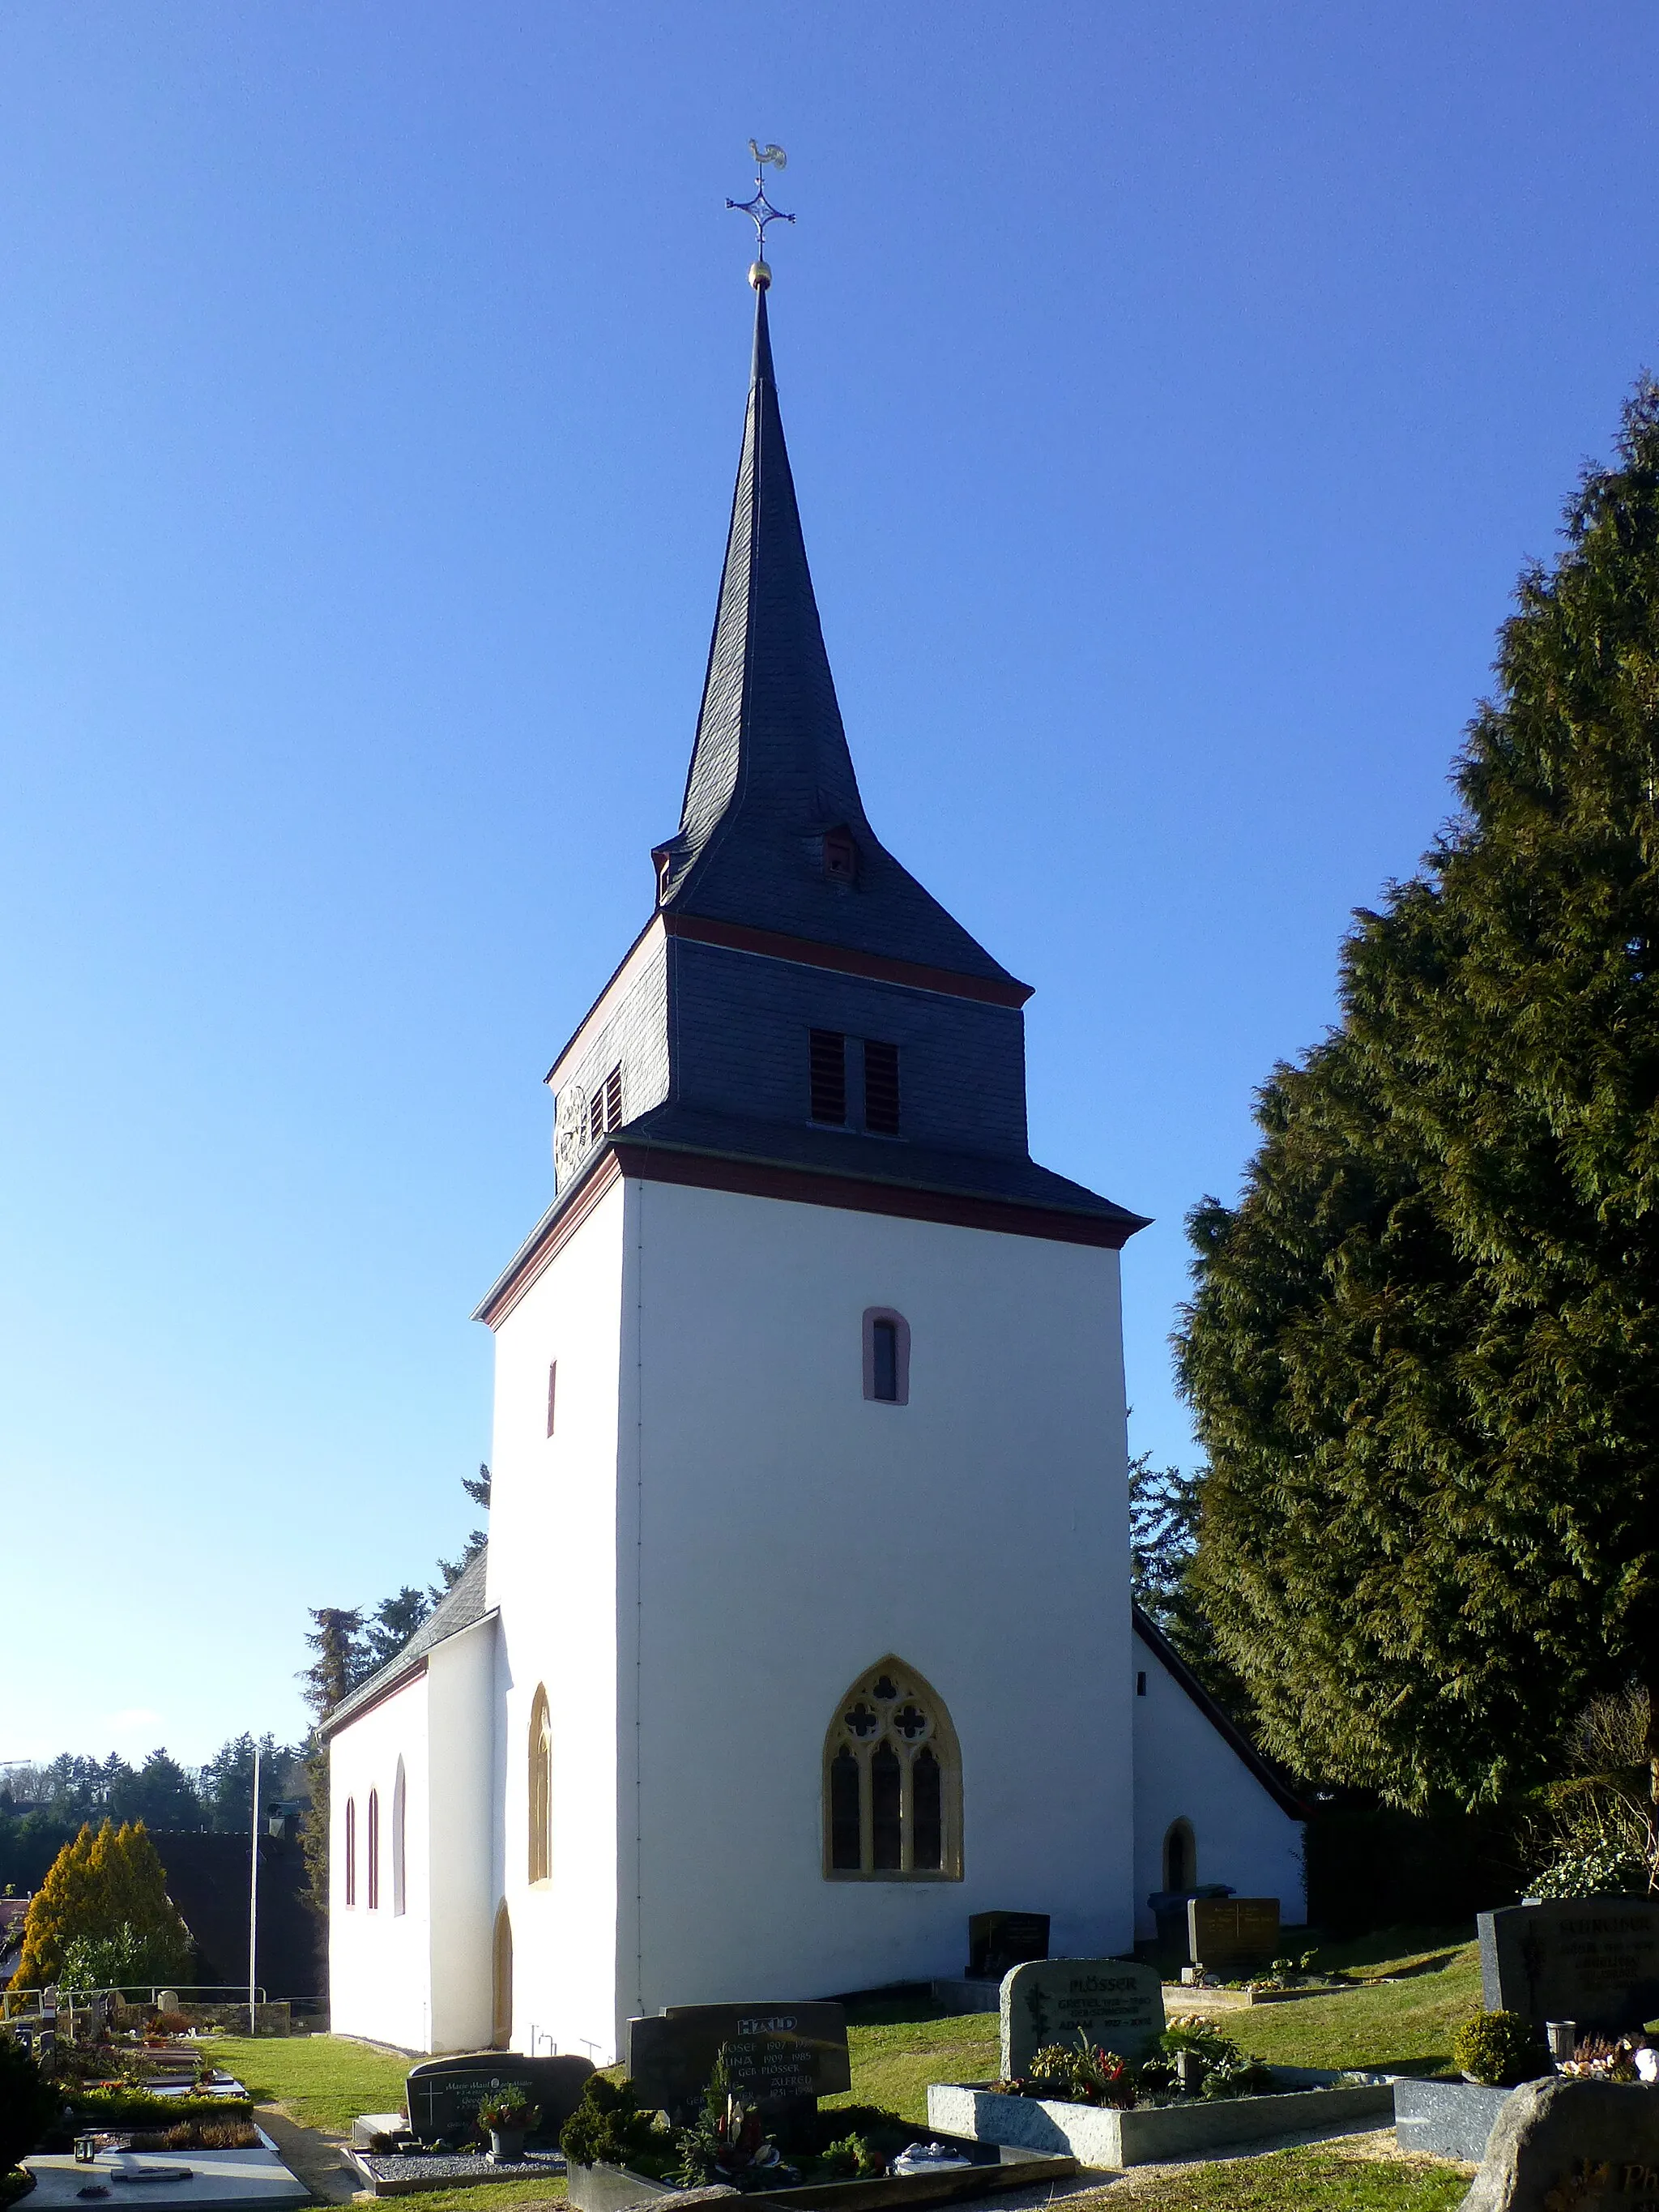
pixel 253 1898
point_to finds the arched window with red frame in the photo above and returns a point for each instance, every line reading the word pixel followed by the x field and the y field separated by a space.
pixel 374 1850
pixel 351 1850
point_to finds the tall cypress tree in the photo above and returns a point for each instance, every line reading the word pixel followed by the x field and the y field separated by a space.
pixel 1423 1347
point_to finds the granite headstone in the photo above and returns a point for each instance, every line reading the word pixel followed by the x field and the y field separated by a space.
pixel 1593 1959
pixel 1116 2002
pixel 777 2055
pixel 1589 2145
pixel 1230 1935
pixel 443 2094
pixel 998 1940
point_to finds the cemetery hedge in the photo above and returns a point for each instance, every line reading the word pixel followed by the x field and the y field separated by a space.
pixel 1423 1348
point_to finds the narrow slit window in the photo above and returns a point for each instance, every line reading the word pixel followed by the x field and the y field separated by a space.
pixel 886 1356
pixel 1140 1684
pixel 552 1393
pixel 399 1833
pixel 883 1345
pixel 351 1850
pixel 828 1069
pixel 840 856
pixel 886 1809
pixel 881 1088
pixel 374 1850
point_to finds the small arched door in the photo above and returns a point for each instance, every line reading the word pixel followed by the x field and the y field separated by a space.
pixel 501 1982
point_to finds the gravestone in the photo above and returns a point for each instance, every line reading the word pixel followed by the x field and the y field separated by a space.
pixel 1571 2145
pixel 1232 1935
pixel 1117 2002
pixel 1593 1959
pixel 444 2095
pixel 998 1940
pixel 778 2056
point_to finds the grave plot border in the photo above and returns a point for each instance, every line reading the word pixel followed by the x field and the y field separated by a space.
pixel 1147 2135
pixel 603 2188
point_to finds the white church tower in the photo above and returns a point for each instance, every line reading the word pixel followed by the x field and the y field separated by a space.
pixel 806 1629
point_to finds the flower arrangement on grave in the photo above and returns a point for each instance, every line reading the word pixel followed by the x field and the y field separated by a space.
pixel 508 2109
pixel 1499 2050
pixel 1599 2058
pixel 727 2143
pixel 853 2158
pixel 1078 2073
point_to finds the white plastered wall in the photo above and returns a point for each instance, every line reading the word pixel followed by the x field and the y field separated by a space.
pixel 1184 1770
pixel 460 1701
pixel 379 1961
pixel 553 1575
pixel 778 1535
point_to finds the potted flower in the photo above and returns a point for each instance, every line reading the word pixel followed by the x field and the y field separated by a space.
pixel 509 2115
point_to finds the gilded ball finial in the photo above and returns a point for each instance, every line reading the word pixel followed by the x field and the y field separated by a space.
pixel 759 275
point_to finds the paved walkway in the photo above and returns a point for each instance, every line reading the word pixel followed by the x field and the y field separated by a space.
pixel 314 2157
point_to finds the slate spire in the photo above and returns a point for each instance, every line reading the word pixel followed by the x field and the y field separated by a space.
pixel 771 777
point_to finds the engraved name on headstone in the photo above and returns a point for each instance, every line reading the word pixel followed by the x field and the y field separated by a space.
pixel 443 2094
pixel 775 2054
pixel 1592 1959
pixel 1116 2002
pixel 1231 1934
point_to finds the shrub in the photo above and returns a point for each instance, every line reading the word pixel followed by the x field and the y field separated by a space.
pixel 1499 2048
pixel 28 2103
pixel 853 2157
pixel 1593 1869
pixel 608 2126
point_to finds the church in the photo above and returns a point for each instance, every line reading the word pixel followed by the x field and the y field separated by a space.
pixel 804 1630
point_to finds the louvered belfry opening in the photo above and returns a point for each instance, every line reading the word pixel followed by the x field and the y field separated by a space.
pixel 881 1088
pixel 828 1076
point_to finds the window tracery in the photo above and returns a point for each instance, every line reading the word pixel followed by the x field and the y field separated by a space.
pixel 892 1782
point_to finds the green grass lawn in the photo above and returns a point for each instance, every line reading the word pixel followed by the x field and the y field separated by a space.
pixel 322 2080
pixel 1406 2027
pixel 1292 2181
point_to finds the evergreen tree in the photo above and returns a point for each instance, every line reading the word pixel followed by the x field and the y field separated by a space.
pixel 336 1637
pixel 1424 1347
pixel 161 1794
pixel 106 1885
pixel 395 1621
pixel 477 1489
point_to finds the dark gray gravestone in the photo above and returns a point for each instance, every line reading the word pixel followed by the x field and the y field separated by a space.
pixel 1569 2145
pixel 998 1940
pixel 1593 1959
pixel 1116 2002
pixel 1232 1935
pixel 444 2095
pixel 778 2056
pixel 1447 2119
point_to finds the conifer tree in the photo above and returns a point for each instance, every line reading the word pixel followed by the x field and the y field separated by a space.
pixel 103 1885
pixel 1423 1347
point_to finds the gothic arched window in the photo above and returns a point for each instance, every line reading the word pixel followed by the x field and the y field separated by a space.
pixel 400 1827
pixel 374 1850
pixel 1180 1857
pixel 541 1790
pixel 892 1782
pixel 351 1850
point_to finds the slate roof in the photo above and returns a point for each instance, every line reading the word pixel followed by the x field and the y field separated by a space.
pixel 462 1605
pixel 1017 1180
pixel 770 772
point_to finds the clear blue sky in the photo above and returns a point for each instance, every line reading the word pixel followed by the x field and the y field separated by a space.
pixel 1175 392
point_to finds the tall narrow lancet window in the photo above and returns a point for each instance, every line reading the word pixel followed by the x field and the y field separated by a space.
pixel 399 1845
pixel 351 1850
pixel 541 1788
pixel 886 1356
pixel 374 1850
pixel 892 1782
